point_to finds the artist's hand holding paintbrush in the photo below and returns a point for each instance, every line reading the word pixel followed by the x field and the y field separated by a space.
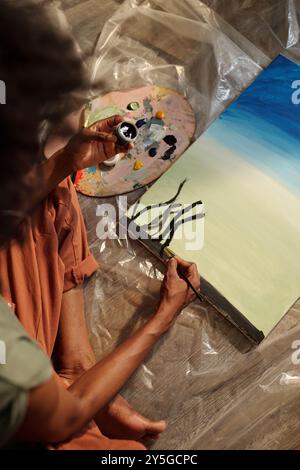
pixel 175 292
pixel 74 408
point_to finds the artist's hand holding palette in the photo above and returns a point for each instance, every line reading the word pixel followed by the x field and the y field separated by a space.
pixel 166 124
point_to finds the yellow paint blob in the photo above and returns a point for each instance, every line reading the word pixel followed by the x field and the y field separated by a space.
pixel 160 115
pixel 138 165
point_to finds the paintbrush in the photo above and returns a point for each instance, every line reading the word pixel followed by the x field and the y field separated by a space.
pixel 169 254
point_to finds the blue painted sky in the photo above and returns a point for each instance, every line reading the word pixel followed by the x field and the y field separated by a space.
pixel 263 125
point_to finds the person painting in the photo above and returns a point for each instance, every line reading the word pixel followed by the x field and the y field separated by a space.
pixel 51 375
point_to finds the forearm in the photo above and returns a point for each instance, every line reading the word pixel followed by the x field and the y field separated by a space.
pixel 59 163
pixel 98 386
pixel 67 411
pixel 103 381
pixel 53 171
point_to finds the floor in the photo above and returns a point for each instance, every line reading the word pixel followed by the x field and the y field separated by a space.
pixel 215 390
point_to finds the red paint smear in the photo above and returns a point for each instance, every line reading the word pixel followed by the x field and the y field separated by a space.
pixel 79 175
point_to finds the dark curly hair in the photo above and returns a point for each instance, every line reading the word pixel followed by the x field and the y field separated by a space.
pixel 45 80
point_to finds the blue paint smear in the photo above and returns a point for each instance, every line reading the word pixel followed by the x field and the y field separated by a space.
pixel 92 170
pixel 153 152
pixel 140 123
pixel 263 124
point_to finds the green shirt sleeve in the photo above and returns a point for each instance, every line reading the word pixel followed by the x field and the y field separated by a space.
pixel 23 366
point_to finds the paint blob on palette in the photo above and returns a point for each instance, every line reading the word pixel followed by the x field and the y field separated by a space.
pixel 166 124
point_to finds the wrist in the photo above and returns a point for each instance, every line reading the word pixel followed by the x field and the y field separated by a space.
pixel 62 164
pixel 65 160
pixel 163 319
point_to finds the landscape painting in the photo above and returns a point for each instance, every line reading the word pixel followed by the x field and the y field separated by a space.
pixel 245 171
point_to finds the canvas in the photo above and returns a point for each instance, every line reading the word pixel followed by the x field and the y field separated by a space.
pixel 243 175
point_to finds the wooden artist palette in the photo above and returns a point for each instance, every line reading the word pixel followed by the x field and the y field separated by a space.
pixel 166 125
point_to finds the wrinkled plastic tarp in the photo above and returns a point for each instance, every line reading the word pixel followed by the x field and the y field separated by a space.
pixel 212 386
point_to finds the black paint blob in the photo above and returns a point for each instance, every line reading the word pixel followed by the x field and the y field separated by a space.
pixel 168 154
pixel 170 140
pixel 153 152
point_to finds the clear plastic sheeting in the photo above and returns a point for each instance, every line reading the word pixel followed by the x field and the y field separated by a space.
pixel 214 388
pixel 190 47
